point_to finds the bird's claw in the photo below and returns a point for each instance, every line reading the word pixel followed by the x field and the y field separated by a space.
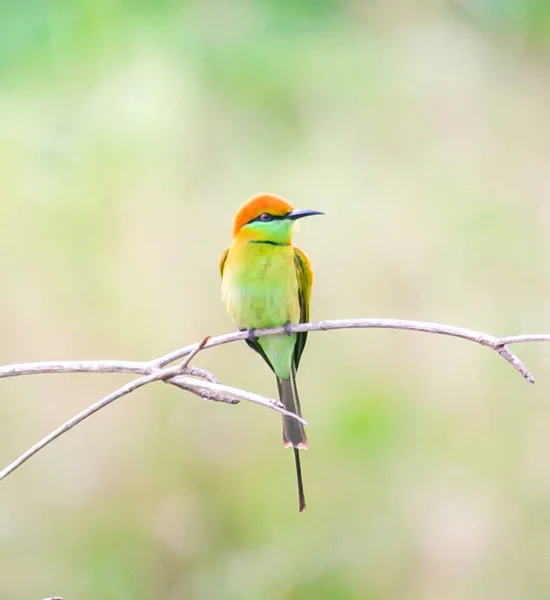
pixel 288 328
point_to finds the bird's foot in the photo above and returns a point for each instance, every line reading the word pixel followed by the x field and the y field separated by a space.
pixel 288 328
pixel 251 335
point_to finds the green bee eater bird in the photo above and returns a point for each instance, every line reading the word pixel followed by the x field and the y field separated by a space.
pixel 266 282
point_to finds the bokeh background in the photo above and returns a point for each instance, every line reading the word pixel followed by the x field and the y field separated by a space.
pixel 130 132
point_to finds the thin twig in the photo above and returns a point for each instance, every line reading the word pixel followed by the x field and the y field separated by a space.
pixel 520 339
pixel 202 373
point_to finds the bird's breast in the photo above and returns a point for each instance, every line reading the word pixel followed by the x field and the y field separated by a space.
pixel 260 285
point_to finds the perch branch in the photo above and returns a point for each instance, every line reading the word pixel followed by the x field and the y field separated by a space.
pixel 484 339
pixel 205 385
pixel 144 367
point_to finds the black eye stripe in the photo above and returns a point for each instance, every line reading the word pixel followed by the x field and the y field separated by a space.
pixel 266 218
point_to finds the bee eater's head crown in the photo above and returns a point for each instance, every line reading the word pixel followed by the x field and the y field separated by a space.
pixel 268 204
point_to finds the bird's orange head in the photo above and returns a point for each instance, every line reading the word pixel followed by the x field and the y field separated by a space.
pixel 268 218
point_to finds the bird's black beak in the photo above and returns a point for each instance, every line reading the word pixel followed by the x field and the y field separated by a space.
pixel 299 213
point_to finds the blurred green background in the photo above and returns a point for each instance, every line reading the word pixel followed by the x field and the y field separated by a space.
pixel 130 132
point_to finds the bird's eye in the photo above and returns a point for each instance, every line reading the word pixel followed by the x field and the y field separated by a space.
pixel 265 217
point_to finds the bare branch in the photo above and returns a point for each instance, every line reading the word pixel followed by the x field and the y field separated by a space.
pixel 75 366
pixel 203 384
pixel 145 367
pixel 205 389
pixel 95 366
pixel 484 339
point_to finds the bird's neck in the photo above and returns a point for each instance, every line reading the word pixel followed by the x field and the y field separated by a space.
pixel 275 238
pixel 268 242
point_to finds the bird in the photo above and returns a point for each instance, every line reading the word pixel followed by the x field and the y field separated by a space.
pixel 266 282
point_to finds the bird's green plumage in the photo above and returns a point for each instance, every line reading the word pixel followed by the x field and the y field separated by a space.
pixel 266 283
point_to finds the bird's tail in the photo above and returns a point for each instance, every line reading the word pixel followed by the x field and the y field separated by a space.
pixel 293 431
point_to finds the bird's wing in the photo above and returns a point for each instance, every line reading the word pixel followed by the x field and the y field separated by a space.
pixel 223 258
pixel 305 281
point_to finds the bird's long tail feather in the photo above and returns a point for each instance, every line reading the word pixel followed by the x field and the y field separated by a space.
pixel 293 431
